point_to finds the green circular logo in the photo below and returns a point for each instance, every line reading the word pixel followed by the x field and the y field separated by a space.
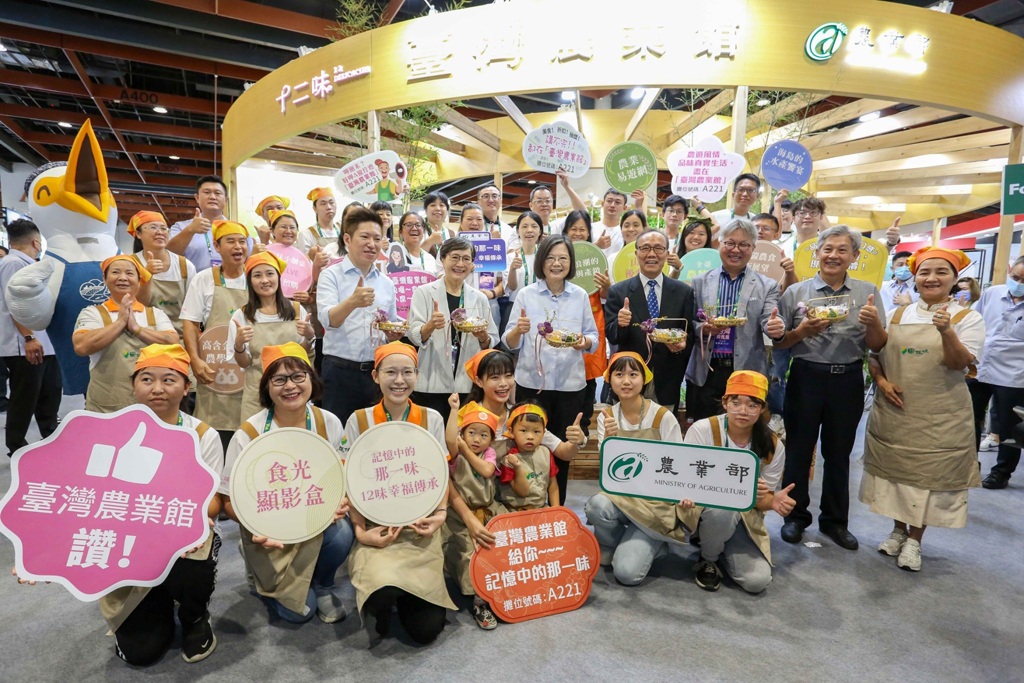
pixel 825 41
pixel 630 166
pixel 626 466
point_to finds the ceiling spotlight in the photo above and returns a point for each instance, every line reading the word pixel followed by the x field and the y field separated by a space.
pixel 870 117
pixel 531 182
pixel 2 48
pixel 173 158
pixel 160 110
pixel 64 124
pixel 636 93
pixel 568 95
pixel 763 102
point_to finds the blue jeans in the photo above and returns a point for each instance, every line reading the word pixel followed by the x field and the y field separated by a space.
pixel 777 383
pixel 337 543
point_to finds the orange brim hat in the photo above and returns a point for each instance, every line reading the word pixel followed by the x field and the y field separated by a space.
pixel 648 375
pixel 172 356
pixel 526 409
pixel 385 350
pixel 275 353
pixel 272 198
pixel 144 275
pixel 225 228
pixel 747 383
pixel 265 257
pixel 955 257
pixel 274 215
pixel 319 193
pixel 474 413
pixel 143 217
pixel 472 366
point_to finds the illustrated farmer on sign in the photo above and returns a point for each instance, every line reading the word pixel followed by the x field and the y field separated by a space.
pixel 387 189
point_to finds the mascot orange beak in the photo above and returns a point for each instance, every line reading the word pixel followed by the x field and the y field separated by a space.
pixel 83 188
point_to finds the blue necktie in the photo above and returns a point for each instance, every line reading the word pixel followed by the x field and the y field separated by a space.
pixel 652 300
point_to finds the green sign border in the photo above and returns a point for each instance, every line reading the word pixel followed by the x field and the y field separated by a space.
pixel 591 287
pixel 610 157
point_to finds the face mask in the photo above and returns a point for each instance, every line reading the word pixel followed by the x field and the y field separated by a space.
pixel 1016 288
pixel 902 273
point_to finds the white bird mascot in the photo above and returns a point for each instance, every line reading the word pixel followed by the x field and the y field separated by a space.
pixel 74 209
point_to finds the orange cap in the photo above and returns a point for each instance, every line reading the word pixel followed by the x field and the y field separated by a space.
pixel 474 413
pixel 273 353
pixel 472 366
pixel 272 198
pixel 143 217
pixel 319 193
pixel 648 375
pixel 955 257
pixel 225 228
pixel 385 350
pixel 171 356
pixel 274 215
pixel 267 258
pixel 144 275
pixel 524 409
pixel 747 383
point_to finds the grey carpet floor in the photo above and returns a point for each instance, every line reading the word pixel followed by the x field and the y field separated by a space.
pixel 829 615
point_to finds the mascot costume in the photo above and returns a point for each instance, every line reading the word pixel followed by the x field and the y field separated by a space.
pixel 74 209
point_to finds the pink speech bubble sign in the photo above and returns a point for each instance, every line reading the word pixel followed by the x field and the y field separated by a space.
pixel 405 284
pixel 150 490
pixel 298 274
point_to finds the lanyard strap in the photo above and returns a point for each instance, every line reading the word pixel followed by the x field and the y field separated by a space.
pixel 319 232
pixel 405 417
pixel 180 419
pixel 270 420
pixel 526 269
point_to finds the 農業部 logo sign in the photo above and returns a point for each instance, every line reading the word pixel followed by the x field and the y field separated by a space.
pixel 825 41
pixel 626 466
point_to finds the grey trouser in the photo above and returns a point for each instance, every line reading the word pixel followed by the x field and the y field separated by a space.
pixel 723 535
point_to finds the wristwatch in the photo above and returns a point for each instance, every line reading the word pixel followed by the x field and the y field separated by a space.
pixel 29 337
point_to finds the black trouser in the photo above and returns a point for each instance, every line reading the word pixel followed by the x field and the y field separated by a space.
pixel 4 376
pixel 35 390
pixel 318 364
pixel 820 397
pixel 705 401
pixel 225 438
pixel 562 408
pixel 348 387
pixel 422 620
pixel 147 633
pixel 1003 399
pixel 589 399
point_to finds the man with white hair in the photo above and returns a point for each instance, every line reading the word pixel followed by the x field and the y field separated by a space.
pixel 825 394
pixel 736 290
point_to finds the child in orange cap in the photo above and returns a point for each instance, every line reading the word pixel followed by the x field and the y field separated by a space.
pixel 470 433
pixel 528 471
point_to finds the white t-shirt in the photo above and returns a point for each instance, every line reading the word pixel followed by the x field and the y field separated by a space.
pixel 435 425
pixel 521 274
pixel 669 427
pixel 172 274
pixel 599 230
pixel 700 435
pixel 970 331
pixel 90 319
pixel 210 447
pixel 239 317
pixel 724 216
pixel 199 298
pixel 425 262
pixel 307 239
pixel 240 440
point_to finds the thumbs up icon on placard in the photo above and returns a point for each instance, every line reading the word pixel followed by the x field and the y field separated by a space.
pixel 134 463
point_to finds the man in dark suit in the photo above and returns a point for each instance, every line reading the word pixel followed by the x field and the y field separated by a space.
pixel 652 294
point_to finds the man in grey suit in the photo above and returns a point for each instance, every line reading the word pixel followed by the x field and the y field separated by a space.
pixel 733 288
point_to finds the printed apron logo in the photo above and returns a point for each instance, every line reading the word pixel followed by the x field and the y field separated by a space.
pixel 165 302
pixel 94 291
pixel 131 354
pixel 627 466
pixel 825 41
pixel 912 351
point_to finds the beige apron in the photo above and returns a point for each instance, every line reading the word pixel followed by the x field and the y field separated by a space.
pixel 753 519
pixel 478 493
pixel 283 573
pixel 538 466
pixel 412 562
pixel 658 518
pixel 220 411
pixel 110 384
pixel 118 605
pixel 929 444
pixel 263 334
pixel 169 297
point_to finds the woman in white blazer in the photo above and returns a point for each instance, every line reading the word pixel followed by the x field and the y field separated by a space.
pixel 443 350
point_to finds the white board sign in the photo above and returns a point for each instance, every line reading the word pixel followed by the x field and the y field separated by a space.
pixel 704 171
pixel 557 145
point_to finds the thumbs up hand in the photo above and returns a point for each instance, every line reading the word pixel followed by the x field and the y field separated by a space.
pixel 363 296
pixel 625 317
pixel 775 328
pixel 523 324
pixel 437 320
pixel 321 259
pixel 155 265
pixel 305 328
pixel 574 433
pixel 199 224
pixel 868 313
pixel 782 503
pixel 611 427
pixel 243 335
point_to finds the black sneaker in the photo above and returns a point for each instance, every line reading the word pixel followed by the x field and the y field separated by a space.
pixel 199 642
pixel 485 618
pixel 383 622
pixel 707 575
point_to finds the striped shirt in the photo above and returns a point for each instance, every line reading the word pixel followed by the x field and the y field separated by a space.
pixel 728 297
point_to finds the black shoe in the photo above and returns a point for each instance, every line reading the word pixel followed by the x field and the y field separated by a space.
pixel 199 642
pixel 383 621
pixel 792 532
pixel 841 535
pixel 707 575
pixel 995 481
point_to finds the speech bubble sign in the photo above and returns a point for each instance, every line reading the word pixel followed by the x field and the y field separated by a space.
pixel 557 146
pixel 298 274
pixel 705 170
pixel 698 262
pixel 767 260
pixel 286 485
pixel 626 264
pixel 396 473
pixel 491 255
pixel 630 166
pixel 380 176
pixel 405 284
pixel 590 260
pixel 107 501
pixel 658 470
pixel 869 266
pixel 229 378
pixel 786 165
pixel 543 562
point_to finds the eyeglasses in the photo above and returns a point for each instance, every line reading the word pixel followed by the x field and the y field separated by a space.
pixel 730 245
pixel 495 196
pixel 737 406
pixel 159 228
pixel 541 202
pixel 647 249
pixel 808 214
pixel 390 374
pixel 746 190
pixel 458 259
pixel 556 259
pixel 675 212
pixel 412 224
pixel 294 378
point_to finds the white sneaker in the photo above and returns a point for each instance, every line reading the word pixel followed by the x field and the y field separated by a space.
pixel 778 426
pixel 910 556
pixel 606 556
pixel 989 443
pixel 892 545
